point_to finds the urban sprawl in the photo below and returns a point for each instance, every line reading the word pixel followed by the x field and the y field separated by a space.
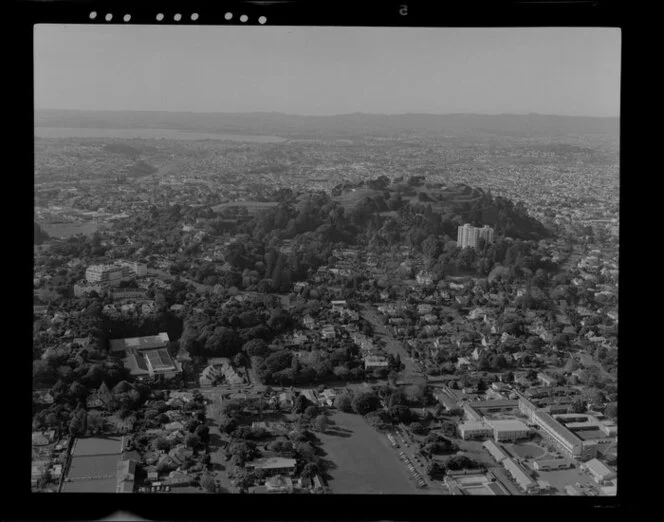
pixel 429 315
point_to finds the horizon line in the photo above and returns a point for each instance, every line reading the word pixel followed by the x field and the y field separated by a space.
pixel 332 115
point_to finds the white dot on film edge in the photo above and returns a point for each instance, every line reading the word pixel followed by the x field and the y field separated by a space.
pixel 93 15
pixel 127 17
pixel 194 16
pixel 262 20
pixel 160 17
pixel 244 18
pixel 228 16
pixel 177 17
pixel 109 17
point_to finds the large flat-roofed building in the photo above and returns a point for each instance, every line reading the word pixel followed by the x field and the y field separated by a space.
pixel 508 429
pixel 599 471
pixel 494 406
pixel 140 343
pixel 496 451
pixel 474 430
pixel 138 269
pixel 567 442
pixel 551 464
pixel 519 475
pixel 109 274
pixel 146 356
pixel 564 439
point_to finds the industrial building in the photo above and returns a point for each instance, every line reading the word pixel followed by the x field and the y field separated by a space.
pixel 508 429
pixel 474 430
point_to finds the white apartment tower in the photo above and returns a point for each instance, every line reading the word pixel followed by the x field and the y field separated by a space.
pixel 469 236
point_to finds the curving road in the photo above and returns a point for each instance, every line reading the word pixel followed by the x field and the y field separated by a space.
pixel 393 346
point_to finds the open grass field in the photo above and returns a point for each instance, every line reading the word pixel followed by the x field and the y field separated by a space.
pixel 364 460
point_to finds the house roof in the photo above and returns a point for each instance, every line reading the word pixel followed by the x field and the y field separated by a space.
pixel 273 463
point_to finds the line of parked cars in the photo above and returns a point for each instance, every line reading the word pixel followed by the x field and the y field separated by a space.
pixel 416 475
pixel 154 489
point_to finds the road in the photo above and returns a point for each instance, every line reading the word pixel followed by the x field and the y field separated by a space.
pixel 393 346
pixel 409 448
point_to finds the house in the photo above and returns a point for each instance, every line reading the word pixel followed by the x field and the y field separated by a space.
pixel 43 438
pixel 328 396
pixel 286 399
pixel 462 361
pixel 43 398
pixel 547 380
pixel 180 454
pixel 375 361
pixel 328 332
pixel 174 426
pixel 339 306
pixel 273 465
pixel 309 322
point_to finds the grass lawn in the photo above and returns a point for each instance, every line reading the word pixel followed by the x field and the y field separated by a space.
pixel 526 450
pixel 363 459
pixel 474 449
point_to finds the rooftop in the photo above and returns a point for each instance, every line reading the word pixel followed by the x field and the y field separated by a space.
pixel 273 463
pixel 88 446
pixel 140 343
pixel 507 425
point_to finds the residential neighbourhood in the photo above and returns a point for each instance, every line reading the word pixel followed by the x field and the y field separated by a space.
pixel 273 304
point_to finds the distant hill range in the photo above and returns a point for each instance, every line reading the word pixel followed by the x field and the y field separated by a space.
pixel 346 125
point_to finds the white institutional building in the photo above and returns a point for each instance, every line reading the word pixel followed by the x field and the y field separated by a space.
pixel 469 236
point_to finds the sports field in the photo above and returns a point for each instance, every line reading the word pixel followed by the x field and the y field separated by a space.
pixel 365 461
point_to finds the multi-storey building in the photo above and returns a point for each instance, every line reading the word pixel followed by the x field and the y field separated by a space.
pixel 108 274
pixel 469 236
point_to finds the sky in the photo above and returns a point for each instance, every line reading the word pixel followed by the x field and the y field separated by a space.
pixel 328 70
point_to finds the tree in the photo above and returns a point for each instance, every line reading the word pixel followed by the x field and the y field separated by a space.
pixel 578 406
pixel 311 412
pixel 611 410
pixel 366 402
pixel 256 348
pixel 344 403
pixel 162 444
pixel 301 404
pixel 460 462
pixel 397 398
pixel 400 413
pixel 321 423
pixel 192 441
pixel 418 429
pixel 77 425
pixel 208 483
pixel 378 419
pixel 310 470
pixel 435 469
